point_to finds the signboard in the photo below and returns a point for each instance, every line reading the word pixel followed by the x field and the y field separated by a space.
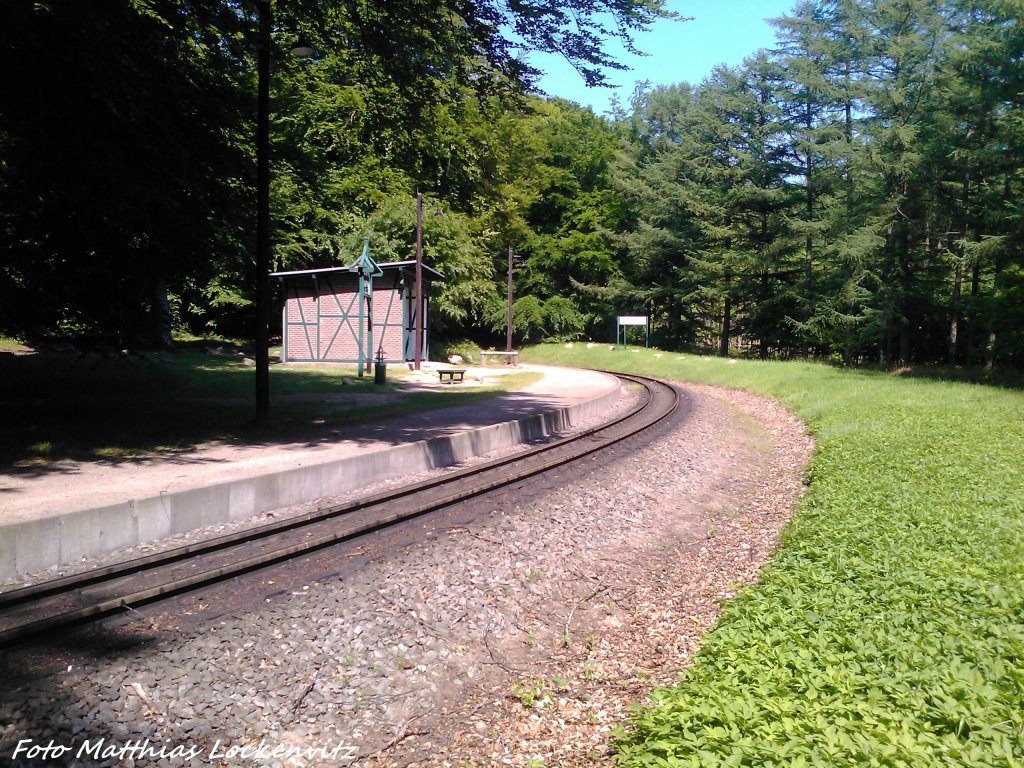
pixel 627 321
pixel 633 320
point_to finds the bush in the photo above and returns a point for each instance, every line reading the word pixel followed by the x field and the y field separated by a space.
pixel 469 351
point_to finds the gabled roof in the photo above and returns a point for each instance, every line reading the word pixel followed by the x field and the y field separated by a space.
pixel 427 271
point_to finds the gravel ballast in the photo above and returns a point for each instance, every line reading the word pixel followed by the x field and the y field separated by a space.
pixel 515 628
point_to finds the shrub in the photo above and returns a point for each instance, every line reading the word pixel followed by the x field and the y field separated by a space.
pixel 468 350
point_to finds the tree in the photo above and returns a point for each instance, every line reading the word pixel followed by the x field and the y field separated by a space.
pixel 666 173
pixel 817 57
pixel 713 201
pixel 983 140
pixel 450 246
pixel 108 197
pixel 571 216
pixel 140 200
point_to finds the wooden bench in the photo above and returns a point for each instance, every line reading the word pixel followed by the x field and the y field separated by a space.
pixel 511 358
pixel 451 373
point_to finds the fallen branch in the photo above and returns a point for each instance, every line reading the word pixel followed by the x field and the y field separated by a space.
pixel 305 693
pixel 511 671
pixel 572 612
pixel 403 734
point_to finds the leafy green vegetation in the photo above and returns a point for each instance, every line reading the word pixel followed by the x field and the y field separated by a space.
pixel 11 345
pixel 530 691
pixel 851 194
pixel 888 629
pixel 59 406
pixel 837 195
pixel 142 217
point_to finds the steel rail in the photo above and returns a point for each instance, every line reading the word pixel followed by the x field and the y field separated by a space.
pixel 660 401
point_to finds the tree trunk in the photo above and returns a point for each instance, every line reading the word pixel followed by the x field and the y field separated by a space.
pixel 163 314
pixel 904 338
pixel 905 285
pixel 990 348
pixel 954 354
pixel 954 312
pixel 808 238
pixel 973 324
pixel 887 353
pixel 763 340
pixel 723 348
pixel 848 171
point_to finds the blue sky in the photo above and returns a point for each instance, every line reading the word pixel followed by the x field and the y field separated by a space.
pixel 722 31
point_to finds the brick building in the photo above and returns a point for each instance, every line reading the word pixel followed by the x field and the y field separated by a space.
pixel 321 319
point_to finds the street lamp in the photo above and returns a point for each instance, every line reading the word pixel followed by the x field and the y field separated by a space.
pixel 303 49
pixel 417 318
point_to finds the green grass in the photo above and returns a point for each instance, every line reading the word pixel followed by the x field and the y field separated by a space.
pixel 888 629
pixel 7 344
pixel 60 406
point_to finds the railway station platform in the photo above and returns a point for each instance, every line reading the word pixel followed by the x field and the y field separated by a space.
pixel 76 510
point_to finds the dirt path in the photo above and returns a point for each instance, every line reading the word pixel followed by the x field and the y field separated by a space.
pixel 56 487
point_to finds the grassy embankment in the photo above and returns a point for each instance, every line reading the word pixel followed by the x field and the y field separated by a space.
pixel 59 406
pixel 888 629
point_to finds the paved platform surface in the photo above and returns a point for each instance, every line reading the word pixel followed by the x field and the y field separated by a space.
pixel 72 509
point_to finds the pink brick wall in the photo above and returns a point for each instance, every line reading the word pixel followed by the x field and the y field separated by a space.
pixel 335 336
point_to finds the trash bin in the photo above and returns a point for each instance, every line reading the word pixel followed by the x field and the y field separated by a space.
pixel 380 368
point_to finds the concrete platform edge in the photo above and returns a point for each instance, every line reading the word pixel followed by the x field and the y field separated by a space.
pixel 46 542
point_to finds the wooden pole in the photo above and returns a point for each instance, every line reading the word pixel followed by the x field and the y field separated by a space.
pixel 508 335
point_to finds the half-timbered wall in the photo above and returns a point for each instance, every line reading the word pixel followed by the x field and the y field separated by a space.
pixel 321 317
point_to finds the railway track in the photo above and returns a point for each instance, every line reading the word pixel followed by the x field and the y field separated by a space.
pixel 30 611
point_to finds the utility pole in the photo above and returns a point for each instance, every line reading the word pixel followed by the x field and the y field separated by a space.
pixel 263 214
pixel 302 50
pixel 417 321
pixel 508 336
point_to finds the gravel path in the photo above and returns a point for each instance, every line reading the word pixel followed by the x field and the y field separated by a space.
pixel 514 628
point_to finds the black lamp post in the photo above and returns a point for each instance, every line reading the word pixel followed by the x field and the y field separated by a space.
pixel 513 259
pixel 263 214
pixel 302 50
pixel 417 320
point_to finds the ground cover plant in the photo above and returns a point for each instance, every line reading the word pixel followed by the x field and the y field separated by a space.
pixel 888 628
pixel 69 406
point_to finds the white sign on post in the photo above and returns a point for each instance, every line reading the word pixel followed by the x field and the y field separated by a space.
pixel 625 321
pixel 632 319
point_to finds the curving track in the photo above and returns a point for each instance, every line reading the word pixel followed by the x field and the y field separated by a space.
pixel 29 611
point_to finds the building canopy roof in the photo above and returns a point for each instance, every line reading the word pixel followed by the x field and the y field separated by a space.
pixel 428 272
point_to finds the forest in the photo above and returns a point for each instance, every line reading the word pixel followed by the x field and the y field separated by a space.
pixel 852 194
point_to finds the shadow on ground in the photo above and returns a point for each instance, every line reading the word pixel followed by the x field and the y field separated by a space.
pixel 60 410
